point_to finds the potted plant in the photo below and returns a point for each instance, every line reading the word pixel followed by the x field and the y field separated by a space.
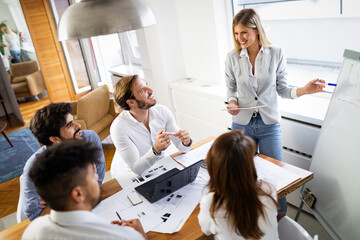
pixel 1 40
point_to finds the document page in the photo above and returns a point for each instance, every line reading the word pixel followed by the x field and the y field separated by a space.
pixel 273 173
pixel 194 155
pixel 119 203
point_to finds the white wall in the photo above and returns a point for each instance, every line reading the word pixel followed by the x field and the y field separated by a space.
pixel 165 62
pixel 5 15
pixel 322 39
pixel 190 40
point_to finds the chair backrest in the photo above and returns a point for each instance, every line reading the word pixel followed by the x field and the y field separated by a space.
pixel 289 229
pixel 23 68
pixel 94 106
pixel 20 214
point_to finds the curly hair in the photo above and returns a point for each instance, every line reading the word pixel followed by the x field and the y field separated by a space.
pixel 48 120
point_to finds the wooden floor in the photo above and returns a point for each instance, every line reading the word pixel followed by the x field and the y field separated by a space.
pixel 9 191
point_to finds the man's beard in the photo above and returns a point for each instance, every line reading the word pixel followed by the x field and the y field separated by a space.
pixel 144 105
pixel 93 201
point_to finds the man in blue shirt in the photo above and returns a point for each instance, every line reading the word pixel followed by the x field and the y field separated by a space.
pixel 53 124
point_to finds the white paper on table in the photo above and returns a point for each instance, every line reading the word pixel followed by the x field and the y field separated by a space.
pixel 129 180
pixel 275 174
pixel 106 208
pixel 147 214
pixel 177 210
pixel 194 155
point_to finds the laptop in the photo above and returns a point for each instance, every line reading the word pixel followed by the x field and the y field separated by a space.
pixel 168 182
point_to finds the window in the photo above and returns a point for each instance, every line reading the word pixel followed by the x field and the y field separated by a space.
pixel 313 33
pixel 89 60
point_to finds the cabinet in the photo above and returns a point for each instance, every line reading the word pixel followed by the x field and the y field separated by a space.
pixel 198 108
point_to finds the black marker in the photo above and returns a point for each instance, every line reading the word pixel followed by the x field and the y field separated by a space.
pixel 118 215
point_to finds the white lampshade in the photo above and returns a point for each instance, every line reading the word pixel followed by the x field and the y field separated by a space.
pixel 89 18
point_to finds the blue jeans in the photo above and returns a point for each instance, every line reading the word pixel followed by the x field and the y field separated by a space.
pixel 268 140
pixel 16 55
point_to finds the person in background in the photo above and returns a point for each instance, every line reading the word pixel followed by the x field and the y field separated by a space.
pixel 145 129
pixel 255 71
pixel 237 205
pixel 65 177
pixel 12 41
pixel 54 124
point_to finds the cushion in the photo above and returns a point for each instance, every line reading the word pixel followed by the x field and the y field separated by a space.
pixel 19 79
pixel 93 106
pixel 20 87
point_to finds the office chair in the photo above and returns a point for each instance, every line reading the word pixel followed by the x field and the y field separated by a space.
pixel 20 214
pixel 289 229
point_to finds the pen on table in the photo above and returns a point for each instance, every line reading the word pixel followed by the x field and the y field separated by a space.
pixel 118 215
pixel 329 84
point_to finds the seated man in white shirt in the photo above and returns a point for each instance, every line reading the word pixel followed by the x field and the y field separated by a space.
pixel 65 177
pixel 145 129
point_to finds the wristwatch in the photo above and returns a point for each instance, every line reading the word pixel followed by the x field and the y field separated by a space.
pixel 155 153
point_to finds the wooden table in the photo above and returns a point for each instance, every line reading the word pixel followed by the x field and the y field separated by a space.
pixel 191 229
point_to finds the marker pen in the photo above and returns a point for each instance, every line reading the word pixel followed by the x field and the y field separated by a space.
pixel 329 84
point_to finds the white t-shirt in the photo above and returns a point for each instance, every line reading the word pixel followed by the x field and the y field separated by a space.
pixel 222 230
pixel 12 42
pixel 77 225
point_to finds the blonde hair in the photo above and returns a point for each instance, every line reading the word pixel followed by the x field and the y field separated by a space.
pixel 124 90
pixel 249 18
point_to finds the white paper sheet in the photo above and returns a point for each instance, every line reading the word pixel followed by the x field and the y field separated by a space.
pixel 176 208
pixel 119 202
pixel 194 155
pixel 273 173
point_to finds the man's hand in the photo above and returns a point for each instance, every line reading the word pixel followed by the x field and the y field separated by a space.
pixel 184 137
pixel 134 223
pixel 162 141
pixel 233 104
pixel 45 209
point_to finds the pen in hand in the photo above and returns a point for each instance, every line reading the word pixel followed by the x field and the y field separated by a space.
pixel 329 84
pixel 118 215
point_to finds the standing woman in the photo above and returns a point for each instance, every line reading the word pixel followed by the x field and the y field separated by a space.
pixel 237 206
pixel 255 71
pixel 12 42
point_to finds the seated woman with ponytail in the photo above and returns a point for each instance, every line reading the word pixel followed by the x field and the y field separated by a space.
pixel 238 206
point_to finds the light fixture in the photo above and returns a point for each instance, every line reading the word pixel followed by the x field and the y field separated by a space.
pixel 89 18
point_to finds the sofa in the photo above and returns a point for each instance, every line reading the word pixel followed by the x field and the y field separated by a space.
pixel 26 79
pixel 95 111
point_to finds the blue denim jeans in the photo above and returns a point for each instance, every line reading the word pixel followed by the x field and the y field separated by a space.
pixel 16 55
pixel 268 140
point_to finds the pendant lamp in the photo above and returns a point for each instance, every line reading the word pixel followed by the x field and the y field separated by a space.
pixel 89 18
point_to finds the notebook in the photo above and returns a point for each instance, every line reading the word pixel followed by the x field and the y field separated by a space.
pixel 168 182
